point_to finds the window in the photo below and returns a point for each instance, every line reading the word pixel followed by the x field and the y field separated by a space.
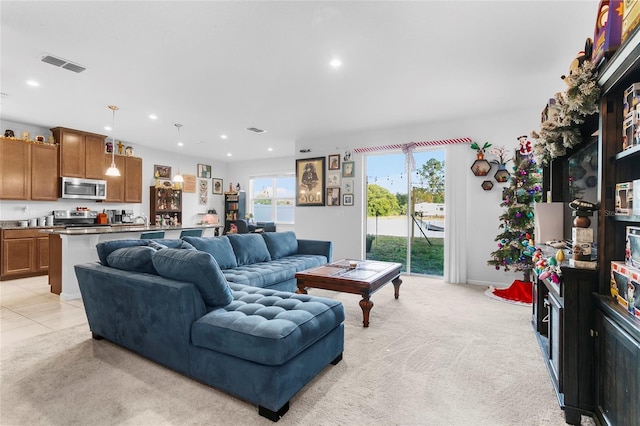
pixel 272 198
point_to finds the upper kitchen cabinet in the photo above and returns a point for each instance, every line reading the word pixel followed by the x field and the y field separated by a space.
pixel 115 184
pixel 133 180
pixel 14 162
pixel 29 170
pixel 44 172
pixel 81 153
pixel 127 187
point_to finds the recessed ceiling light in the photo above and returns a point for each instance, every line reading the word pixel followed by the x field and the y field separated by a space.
pixel 153 116
pixel 107 127
pixel 269 149
pixel 180 144
pixel 33 83
pixel 223 136
pixel 335 63
pixel 228 154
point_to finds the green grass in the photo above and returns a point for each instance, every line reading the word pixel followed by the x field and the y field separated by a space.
pixel 425 259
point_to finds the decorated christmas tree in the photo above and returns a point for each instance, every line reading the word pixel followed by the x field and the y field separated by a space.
pixel 515 241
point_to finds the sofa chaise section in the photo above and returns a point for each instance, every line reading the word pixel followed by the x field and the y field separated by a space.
pixel 175 307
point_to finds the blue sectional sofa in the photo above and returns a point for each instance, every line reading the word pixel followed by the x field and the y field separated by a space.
pixel 232 327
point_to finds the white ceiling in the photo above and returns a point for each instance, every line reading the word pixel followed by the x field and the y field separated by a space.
pixel 220 67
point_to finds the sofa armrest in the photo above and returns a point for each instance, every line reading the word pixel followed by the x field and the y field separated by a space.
pixel 145 313
pixel 324 248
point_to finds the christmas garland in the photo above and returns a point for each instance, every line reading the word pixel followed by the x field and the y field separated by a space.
pixel 561 129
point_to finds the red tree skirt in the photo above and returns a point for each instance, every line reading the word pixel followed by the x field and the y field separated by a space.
pixel 518 293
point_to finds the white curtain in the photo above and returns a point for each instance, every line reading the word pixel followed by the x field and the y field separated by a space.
pixel 455 206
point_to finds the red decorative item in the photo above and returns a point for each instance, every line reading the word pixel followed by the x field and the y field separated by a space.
pixel 525 145
pixel 519 293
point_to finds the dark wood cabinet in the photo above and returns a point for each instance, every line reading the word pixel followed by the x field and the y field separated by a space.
pixel 562 318
pixel 165 204
pixel 25 253
pixel 599 353
pixel 617 355
pixel 618 364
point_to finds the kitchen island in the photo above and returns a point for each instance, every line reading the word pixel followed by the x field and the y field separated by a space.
pixel 72 246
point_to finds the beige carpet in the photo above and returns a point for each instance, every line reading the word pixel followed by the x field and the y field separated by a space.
pixel 442 354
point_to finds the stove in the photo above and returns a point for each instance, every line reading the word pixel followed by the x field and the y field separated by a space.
pixel 75 218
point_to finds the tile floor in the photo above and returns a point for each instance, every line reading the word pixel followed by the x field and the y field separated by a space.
pixel 28 308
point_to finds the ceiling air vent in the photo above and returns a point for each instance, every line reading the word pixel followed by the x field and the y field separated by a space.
pixel 59 62
pixel 255 130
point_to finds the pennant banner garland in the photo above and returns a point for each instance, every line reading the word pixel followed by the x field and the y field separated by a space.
pixel 415 144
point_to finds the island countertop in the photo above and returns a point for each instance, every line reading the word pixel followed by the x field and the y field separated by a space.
pixel 117 229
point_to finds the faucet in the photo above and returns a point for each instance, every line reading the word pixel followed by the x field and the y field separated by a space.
pixel 143 217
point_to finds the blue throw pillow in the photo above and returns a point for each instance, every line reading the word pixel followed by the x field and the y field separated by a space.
pixel 249 248
pixel 218 247
pixel 105 248
pixel 197 267
pixel 281 244
pixel 134 259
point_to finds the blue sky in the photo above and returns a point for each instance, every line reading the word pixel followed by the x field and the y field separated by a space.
pixel 388 170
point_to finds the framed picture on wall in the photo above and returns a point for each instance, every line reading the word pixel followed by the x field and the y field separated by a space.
pixel 204 171
pixel 348 169
pixel 333 178
pixel 161 172
pixel 216 187
pixel 347 199
pixel 334 162
pixel 310 181
pixel 333 196
pixel 347 186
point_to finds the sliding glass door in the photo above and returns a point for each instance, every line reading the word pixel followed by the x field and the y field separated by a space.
pixel 405 210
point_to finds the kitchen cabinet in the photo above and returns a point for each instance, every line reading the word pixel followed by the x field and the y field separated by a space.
pixel 126 188
pixel 94 150
pixel 80 153
pixel 29 171
pixel 115 184
pixel 44 172
pixel 14 162
pixel 24 253
pixel 133 180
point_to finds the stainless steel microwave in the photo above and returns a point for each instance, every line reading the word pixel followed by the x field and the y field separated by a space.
pixel 86 189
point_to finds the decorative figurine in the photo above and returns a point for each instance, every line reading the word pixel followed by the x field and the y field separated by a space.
pixel 120 146
pixel 9 133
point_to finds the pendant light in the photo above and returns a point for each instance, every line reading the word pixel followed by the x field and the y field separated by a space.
pixel 178 177
pixel 113 170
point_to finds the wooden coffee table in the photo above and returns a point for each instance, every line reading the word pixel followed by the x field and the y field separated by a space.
pixel 367 278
